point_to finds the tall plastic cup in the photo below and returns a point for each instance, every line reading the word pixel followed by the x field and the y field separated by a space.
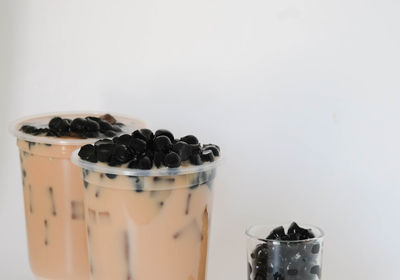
pixel 53 199
pixel 147 224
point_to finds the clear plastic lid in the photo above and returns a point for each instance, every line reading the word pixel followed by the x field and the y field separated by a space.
pixel 163 171
pixel 42 120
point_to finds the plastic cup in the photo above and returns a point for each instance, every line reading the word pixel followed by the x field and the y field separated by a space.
pixel 53 199
pixel 278 260
pixel 147 224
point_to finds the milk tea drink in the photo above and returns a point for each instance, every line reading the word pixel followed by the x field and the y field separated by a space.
pixel 53 190
pixel 148 209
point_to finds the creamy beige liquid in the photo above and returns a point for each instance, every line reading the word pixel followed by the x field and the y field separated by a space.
pixel 53 198
pixel 160 232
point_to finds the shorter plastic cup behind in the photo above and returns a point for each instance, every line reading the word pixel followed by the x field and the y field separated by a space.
pixel 273 259
pixel 147 224
pixel 53 199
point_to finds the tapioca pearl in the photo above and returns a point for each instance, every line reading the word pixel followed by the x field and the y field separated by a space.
pixel 138 145
pixel 315 249
pixel 183 149
pixel 86 184
pixel 124 139
pixel 28 129
pixel 164 132
pixel 190 139
pixel 316 270
pixel 162 143
pixel 144 134
pixel 172 160
pixel 121 154
pixel 59 126
pixel 104 152
pixel 78 125
pixel 145 163
pixel 88 152
pixel 195 159
pixel 111 176
pixel 212 148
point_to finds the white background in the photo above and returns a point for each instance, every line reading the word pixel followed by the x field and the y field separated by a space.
pixel 302 95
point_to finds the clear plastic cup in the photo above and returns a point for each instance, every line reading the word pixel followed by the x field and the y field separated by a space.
pixel 53 199
pixel 283 260
pixel 147 224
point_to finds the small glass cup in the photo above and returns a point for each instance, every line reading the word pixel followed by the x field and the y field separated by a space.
pixel 283 260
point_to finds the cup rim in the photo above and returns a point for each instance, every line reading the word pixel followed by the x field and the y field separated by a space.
pixel 14 127
pixel 305 225
pixel 164 171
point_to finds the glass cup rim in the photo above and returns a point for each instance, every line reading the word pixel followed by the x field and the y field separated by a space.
pixel 165 171
pixel 16 125
pixel 319 237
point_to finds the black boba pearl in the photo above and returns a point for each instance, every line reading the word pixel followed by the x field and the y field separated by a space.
pixel 195 159
pixel 111 176
pixel 88 152
pixel 121 154
pixel 162 143
pixel 212 148
pixel 315 270
pixel 28 129
pixel 292 272
pixel 277 233
pixel 294 231
pixel 196 148
pixel 138 145
pixel 315 249
pixel 91 125
pixel 104 152
pixel 172 160
pixel 261 252
pixel 103 141
pixel 104 126
pixel 207 155
pixel 182 149
pixel 164 132
pixel 145 163
pixel 96 119
pixel 78 125
pixel 144 134
pixel 158 159
pixel 124 139
pixel 59 125
pixel 190 139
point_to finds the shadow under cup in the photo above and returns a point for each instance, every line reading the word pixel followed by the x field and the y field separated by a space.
pixel 53 200
pixel 147 224
pixel 283 260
